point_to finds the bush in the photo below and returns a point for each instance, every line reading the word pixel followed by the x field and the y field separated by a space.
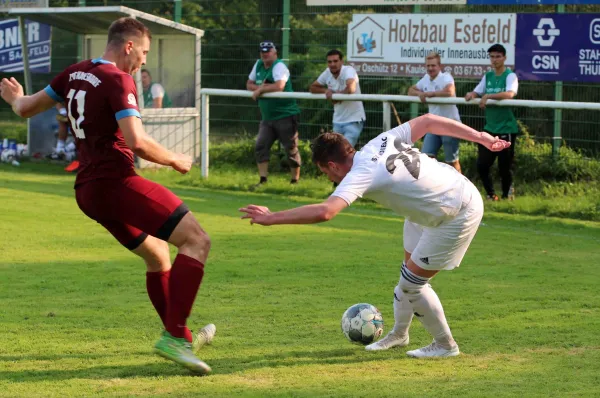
pixel 533 161
pixel 16 130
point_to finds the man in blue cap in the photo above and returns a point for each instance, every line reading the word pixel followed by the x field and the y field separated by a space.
pixel 279 115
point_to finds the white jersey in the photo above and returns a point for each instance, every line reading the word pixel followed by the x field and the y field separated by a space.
pixel 441 80
pixel 393 173
pixel 344 111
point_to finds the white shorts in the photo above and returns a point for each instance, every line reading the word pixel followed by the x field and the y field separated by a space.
pixel 443 247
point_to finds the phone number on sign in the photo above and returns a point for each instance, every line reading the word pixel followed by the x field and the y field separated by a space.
pixel 466 70
pixel 417 70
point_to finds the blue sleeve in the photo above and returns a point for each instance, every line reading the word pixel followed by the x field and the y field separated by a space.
pixel 126 113
pixel 50 91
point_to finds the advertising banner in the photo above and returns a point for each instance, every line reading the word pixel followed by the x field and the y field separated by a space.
pixel 397 44
pixel 558 47
pixel 38 41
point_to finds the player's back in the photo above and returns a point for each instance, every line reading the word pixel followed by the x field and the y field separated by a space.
pixel 409 182
pixel 97 94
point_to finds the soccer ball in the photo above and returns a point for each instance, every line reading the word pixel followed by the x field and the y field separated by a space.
pixel 8 155
pixel 362 323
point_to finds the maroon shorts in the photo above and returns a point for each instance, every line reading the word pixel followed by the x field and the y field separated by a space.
pixel 131 208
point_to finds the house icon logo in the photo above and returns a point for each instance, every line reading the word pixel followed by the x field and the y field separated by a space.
pixel 366 37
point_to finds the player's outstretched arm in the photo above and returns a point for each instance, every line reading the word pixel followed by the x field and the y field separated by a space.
pixel 148 149
pixel 24 105
pixel 309 214
pixel 443 126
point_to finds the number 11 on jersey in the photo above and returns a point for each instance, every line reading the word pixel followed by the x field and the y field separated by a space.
pixel 79 97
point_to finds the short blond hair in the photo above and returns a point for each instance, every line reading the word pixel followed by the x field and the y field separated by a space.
pixel 434 55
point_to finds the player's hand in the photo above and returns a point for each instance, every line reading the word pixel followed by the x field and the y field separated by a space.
pixel 256 93
pixel 328 94
pixel 423 97
pixel 469 96
pixel 492 143
pixel 483 101
pixel 10 89
pixel 182 163
pixel 257 214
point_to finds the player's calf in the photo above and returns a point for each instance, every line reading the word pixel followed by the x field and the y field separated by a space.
pixel 426 306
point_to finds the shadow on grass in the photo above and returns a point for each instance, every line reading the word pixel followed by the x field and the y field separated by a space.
pixel 58 189
pixel 220 366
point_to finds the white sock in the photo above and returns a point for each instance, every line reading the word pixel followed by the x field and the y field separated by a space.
pixel 60 146
pixel 427 307
pixel 403 313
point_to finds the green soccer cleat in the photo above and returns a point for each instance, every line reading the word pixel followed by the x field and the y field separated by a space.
pixel 179 350
pixel 204 336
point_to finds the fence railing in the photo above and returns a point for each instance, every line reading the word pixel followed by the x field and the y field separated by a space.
pixel 384 99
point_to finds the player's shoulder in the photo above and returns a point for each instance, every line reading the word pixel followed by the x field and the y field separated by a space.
pixel 326 73
pixel 377 145
pixel 280 65
pixel 446 76
pixel 348 69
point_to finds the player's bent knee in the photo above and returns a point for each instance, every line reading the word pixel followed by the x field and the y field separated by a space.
pixel 190 234
pixel 200 239
pixel 411 283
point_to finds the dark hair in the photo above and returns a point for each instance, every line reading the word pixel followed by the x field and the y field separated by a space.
pixel 147 71
pixel 335 52
pixel 330 147
pixel 124 28
pixel 497 48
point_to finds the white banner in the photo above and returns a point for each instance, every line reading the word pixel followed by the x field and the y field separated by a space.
pixel 397 44
pixel 380 2
pixel 6 4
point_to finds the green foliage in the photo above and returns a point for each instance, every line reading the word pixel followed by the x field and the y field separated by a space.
pixel 533 160
pixel 14 130
pixel 565 187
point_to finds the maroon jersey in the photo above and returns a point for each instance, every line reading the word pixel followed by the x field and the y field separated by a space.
pixel 97 94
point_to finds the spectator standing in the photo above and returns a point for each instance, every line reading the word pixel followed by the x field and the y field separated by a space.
pixel 498 84
pixel 348 116
pixel 279 115
pixel 438 84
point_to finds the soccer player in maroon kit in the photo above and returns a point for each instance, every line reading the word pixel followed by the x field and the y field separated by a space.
pixel 101 99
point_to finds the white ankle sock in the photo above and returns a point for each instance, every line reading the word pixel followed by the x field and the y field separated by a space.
pixel 60 146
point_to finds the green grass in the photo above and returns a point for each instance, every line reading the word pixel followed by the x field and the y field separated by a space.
pixel 76 320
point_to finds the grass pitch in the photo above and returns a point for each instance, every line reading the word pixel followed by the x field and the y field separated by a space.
pixel 76 321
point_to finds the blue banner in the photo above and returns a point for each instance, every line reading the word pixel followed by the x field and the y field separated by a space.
pixel 38 45
pixel 558 47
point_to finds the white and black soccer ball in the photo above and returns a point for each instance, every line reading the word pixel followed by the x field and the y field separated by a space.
pixel 8 155
pixel 362 323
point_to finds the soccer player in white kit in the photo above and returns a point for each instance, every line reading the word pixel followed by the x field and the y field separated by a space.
pixel 442 211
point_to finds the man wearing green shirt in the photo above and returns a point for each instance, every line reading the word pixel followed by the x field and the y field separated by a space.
pixel 279 115
pixel 498 84
pixel 154 93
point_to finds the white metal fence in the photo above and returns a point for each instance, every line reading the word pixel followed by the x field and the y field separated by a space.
pixel 385 99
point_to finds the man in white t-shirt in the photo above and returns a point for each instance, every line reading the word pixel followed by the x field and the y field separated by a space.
pixel 348 116
pixel 438 84
pixel 442 211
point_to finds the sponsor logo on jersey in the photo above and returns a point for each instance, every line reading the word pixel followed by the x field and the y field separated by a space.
pixel 131 100
pixel 383 145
